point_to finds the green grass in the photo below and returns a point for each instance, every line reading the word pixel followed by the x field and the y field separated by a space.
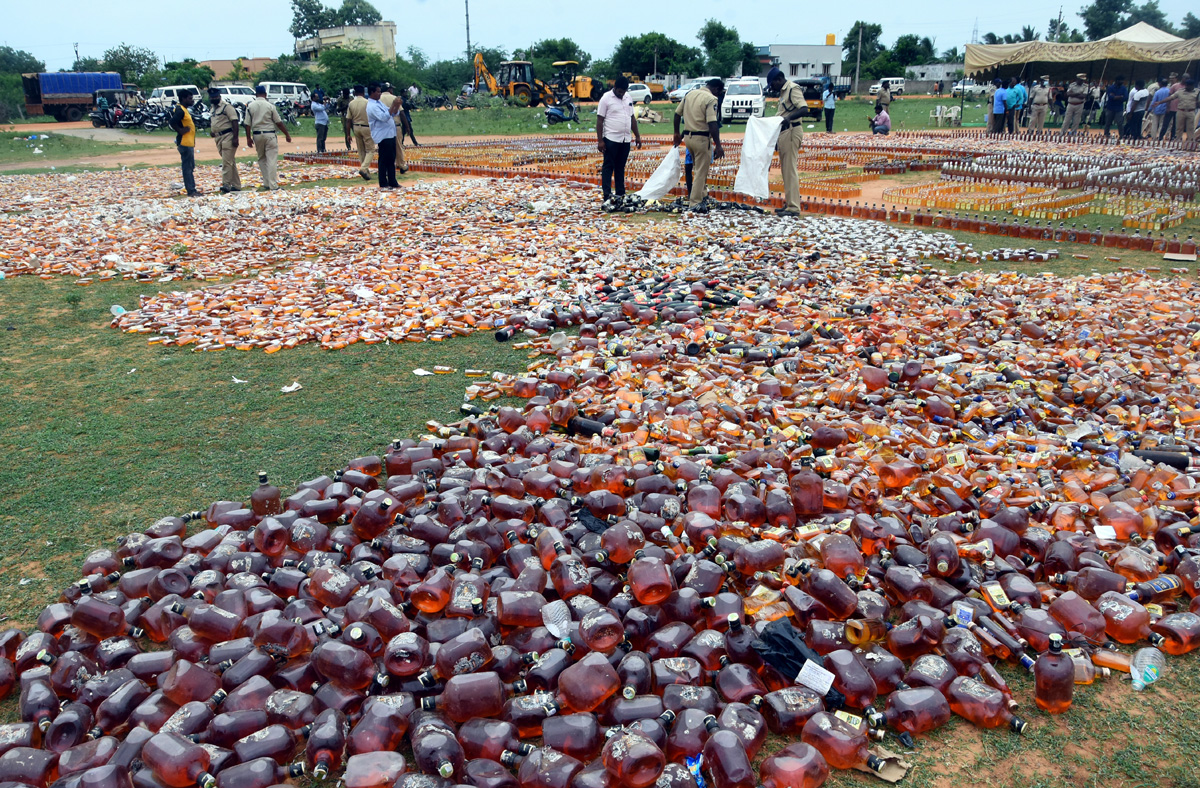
pixel 105 433
pixel 15 148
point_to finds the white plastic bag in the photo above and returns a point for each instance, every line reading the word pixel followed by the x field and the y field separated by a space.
pixel 758 147
pixel 665 178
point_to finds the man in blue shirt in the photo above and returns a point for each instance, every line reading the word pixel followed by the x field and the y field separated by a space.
pixel 1114 103
pixel 1158 108
pixel 999 107
pixel 382 121
pixel 321 118
pixel 1012 106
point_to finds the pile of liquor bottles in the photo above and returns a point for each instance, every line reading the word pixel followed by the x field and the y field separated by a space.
pixel 824 510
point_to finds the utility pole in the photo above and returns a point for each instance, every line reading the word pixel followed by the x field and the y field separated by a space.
pixel 467 3
pixel 1058 26
pixel 655 60
pixel 858 57
pixel 77 50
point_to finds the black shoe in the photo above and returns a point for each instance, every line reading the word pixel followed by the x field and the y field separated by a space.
pixel 365 177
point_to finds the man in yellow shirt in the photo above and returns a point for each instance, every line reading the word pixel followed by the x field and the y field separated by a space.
pixel 698 114
pixel 262 124
pixel 185 140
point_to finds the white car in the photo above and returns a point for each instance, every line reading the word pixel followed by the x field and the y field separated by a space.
pixel 236 94
pixel 895 85
pixel 969 88
pixel 169 96
pixel 678 93
pixel 290 91
pixel 639 93
pixel 743 99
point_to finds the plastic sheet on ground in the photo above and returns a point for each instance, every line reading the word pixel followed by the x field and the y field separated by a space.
pixel 664 178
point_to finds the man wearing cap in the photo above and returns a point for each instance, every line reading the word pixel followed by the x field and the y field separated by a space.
pixel 791 134
pixel 262 123
pixel 698 115
pixel 225 133
pixel 1039 102
pixel 1077 93
pixel 185 140
pixel 356 122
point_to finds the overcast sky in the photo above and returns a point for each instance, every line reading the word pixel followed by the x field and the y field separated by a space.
pixel 258 28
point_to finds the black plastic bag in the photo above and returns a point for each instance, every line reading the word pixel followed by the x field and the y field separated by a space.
pixel 782 647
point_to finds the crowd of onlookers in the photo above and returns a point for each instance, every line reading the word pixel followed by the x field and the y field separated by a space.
pixel 1165 109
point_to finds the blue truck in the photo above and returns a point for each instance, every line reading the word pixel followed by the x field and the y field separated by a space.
pixel 66 95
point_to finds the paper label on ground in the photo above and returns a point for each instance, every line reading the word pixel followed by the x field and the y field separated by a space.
pixel 815 677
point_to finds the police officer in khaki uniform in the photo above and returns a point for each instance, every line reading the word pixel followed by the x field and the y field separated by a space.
pixel 792 108
pixel 698 114
pixel 989 103
pixel 1039 101
pixel 885 96
pixel 1077 95
pixel 225 133
pixel 388 98
pixel 262 125
pixel 356 124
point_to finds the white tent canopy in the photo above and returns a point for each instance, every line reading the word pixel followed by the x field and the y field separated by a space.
pixel 1138 48
pixel 1142 33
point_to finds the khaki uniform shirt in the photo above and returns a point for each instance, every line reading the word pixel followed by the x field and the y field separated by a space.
pixel 356 112
pixel 224 119
pixel 1039 95
pixel 1076 94
pixel 884 97
pixel 698 109
pixel 261 115
pixel 386 99
pixel 791 98
pixel 1186 100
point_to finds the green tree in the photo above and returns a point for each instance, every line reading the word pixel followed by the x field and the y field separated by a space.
pixel 601 68
pixel 345 66
pixel 951 55
pixel 1103 17
pixel 910 50
pixel 1028 33
pixel 18 61
pixel 882 66
pixel 447 76
pixel 87 63
pixel 1151 14
pixel 1190 28
pixel 418 58
pixel 309 16
pixel 238 73
pixel 553 49
pixel 186 72
pixel 132 63
pixel 871 46
pixel 1062 33
pixel 636 55
pixel 751 65
pixel 722 47
pixel 286 69
pixel 357 12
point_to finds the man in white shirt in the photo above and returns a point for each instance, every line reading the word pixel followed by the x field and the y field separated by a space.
pixel 1135 110
pixel 615 128
pixel 382 121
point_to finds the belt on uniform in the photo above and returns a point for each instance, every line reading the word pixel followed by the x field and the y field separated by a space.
pixel 263 132
pixel 695 133
pixel 362 125
pixel 226 131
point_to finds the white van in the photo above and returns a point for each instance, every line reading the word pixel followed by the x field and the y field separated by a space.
pixel 895 85
pixel 236 94
pixel 169 95
pixel 743 99
pixel 289 91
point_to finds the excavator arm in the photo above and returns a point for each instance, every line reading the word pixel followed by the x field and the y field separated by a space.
pixel 483 75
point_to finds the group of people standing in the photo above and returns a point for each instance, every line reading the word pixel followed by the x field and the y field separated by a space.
pixel 1143 111
pixel 262 124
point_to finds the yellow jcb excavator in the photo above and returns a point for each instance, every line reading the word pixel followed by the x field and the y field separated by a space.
pixel 514 79
pixel 568 81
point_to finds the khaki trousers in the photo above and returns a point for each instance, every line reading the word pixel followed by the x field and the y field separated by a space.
pixel 701 150
pixel 789 156
pixel 1185 123
pixel 401 166
pixel 366 149
pixel 1072 117
pixel 227 145
pixel 267 147
pixel 1037 119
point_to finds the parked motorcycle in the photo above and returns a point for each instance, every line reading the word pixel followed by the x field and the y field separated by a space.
pixel 562 112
